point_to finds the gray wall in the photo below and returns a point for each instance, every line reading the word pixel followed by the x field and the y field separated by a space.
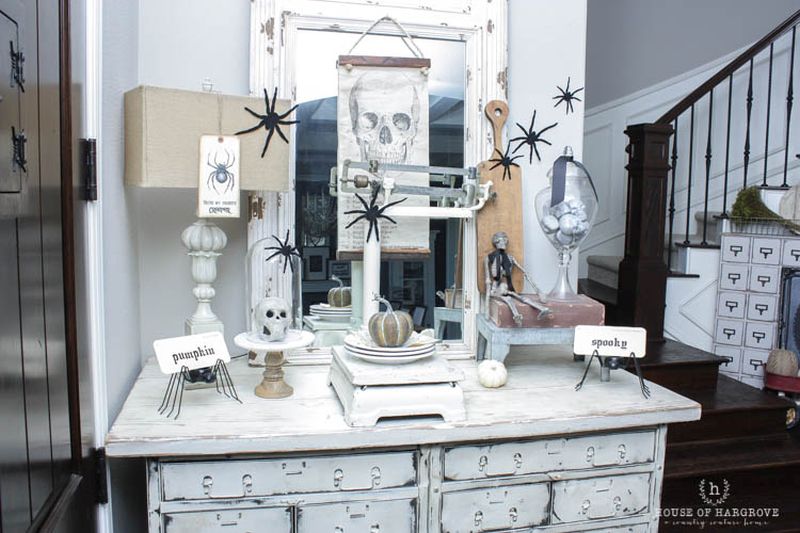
pixel 633 44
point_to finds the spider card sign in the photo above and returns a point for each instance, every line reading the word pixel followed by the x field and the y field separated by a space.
pixel 191 351
pixel 610 341
pixel 218 185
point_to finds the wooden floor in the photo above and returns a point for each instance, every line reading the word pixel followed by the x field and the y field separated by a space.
pixel 740 442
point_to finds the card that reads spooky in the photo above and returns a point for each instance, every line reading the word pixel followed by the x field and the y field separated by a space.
pixel 191 351
pixel 218 185
pixel 610 341
pixel 382 114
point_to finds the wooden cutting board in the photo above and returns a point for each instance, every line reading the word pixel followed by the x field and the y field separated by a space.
pixel 504 212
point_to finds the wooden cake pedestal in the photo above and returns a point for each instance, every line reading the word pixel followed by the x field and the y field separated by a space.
pixel 371 391
pixel 498 332
pixel 273 386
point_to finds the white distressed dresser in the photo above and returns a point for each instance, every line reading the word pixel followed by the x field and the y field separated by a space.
pixel 534 455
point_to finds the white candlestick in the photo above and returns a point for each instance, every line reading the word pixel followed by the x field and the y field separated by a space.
pixel 372 277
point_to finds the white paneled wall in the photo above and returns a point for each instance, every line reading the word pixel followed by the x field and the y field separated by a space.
pixel 605 141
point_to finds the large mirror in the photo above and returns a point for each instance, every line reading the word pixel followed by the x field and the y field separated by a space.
pixel 427 286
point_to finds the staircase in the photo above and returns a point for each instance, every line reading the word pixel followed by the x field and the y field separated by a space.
pixel 740 438
pixel 683 174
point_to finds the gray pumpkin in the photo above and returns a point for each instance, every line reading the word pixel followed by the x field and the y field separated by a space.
pixel 340 296
pixel 390 328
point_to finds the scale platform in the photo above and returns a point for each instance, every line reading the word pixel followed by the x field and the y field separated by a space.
pixel 369 392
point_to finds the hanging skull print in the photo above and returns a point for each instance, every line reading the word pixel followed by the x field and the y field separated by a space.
pixel 218 181
pixel 383 116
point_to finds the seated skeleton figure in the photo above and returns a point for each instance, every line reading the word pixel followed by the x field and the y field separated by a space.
pixel 499 266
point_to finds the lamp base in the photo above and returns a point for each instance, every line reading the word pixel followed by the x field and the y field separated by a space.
pixel 195 327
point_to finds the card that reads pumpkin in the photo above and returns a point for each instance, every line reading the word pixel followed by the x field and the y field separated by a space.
pixel 219 178
pixel 191 351
pixel 382 115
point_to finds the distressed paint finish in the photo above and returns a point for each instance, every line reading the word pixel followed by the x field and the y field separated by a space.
pixel 395 516
pixel 539 400
pixel 532 452
pixel 272 65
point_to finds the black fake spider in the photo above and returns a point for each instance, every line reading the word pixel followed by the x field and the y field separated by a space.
pixel 372 213
pixel 505 160
pixel 567 97
pixel 271 121
pixel 531 137
pixel 220 174
pixel 286 250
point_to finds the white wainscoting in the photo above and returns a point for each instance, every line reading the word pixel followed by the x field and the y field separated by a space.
pixel 605 142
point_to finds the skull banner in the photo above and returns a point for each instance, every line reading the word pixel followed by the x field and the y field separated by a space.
pixel 383 115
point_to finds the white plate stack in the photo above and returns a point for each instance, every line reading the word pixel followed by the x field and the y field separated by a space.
pixel 418 347
pixel 330 313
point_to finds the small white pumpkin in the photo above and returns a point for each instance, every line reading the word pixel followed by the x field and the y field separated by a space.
pixel 492 374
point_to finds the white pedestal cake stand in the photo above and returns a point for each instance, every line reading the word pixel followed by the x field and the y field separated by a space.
pixel 273 385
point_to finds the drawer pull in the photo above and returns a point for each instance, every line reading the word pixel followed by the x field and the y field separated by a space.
pixel 585 506
pixel 736 249
pixel 247 483
pixel 622 451
pixel 478 518
pixel 518 460
pixel 208 481
pixel 338 475
pixel 589 454
pixel 482 462
pixel 338 529
pixel 375 529
pixel 375 473
pixel 761 308
pixel 513 514
pixel 617 503
pixel 796 254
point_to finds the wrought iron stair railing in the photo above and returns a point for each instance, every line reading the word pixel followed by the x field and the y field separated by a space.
pixel 729 113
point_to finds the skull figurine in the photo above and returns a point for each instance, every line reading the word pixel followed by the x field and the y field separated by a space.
pixel 384 118
pixel 272 318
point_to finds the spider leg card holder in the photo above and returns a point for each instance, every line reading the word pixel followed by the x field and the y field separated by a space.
pixel 193 359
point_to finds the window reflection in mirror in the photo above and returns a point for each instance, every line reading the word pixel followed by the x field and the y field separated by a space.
pixel 411 284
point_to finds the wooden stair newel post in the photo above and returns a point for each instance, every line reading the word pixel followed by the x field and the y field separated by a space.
pixel 642 272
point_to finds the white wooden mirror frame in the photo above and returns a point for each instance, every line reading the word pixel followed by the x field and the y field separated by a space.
pixel 480 24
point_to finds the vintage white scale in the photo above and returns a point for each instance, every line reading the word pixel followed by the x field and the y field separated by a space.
pixel 426 387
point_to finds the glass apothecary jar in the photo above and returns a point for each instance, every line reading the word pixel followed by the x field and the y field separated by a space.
pixel 566 211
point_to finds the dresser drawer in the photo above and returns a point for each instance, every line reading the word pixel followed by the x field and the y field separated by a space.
pixel 764 279
pixel 519 458
pixel 602 497
pixel 731 304
pixel 238 478
pixel 732 355
pixel 391 516
pixel 733 277
pixel 729 332
pixel 762 307
pixel 791 253
pixel 754 361
pixel 735 248
pixel 766 251
pixel 491 509
pixel 759 335
pixel 274 520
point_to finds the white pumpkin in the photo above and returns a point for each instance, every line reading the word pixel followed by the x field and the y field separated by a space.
pixel 492 374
